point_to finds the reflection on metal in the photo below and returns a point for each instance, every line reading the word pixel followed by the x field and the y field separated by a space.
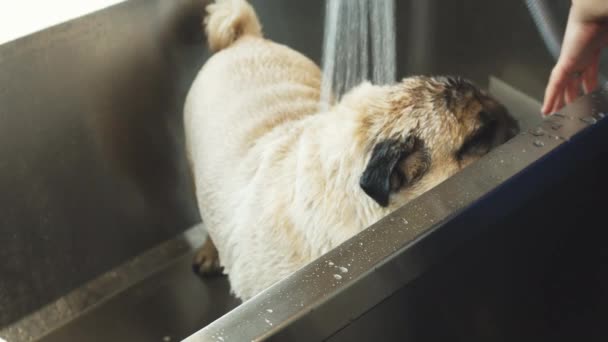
pixel 525 109
pixel 92 170
pixel 421 23
pixel 101 289
pixel 547 26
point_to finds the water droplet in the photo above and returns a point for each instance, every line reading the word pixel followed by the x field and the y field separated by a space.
pixel 405 221
pixel 269 310
pixel 167 339
pixel 360 243
pixel 330 263
pixel 343 269
pixel 601 115
pixel 539 143
pixel 555 137
pixel 220 338
pixel 537 132
pixel 589 120
pixel 556 126
pixel 337 277
pixel 524 151
pixel 268 322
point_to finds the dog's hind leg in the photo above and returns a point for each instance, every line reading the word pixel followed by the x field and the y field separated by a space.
pixel 206 260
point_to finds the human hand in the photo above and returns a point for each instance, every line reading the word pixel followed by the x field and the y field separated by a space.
pixel 578 64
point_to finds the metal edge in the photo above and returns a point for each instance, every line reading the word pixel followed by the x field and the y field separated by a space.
pixel 306 290
pixel 101 289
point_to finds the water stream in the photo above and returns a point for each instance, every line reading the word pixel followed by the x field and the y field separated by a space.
pixel 359 45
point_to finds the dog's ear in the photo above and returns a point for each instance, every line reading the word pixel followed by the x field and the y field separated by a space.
pixel 393 165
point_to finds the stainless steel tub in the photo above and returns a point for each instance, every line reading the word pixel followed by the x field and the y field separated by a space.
pixel 96 204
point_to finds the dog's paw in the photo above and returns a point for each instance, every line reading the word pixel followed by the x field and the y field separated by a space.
pixel 206 260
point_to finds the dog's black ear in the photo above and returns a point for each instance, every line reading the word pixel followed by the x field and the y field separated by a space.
pixel 383 174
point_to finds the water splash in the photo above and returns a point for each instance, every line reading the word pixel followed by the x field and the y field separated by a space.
pixel 537 132
pixel 539 143
pixel 589 120
pixel 359 45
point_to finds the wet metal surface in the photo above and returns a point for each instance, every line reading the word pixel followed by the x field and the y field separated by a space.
pixel 92 171
pixel 536 274
pixel 67 310
pixel 170 304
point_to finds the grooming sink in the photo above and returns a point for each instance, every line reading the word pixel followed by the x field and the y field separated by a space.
pixel 99 222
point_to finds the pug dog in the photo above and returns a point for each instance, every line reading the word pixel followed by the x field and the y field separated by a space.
pixel 280 182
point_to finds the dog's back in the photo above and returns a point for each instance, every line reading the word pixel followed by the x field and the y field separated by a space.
pixel 247 89
pixel 250 86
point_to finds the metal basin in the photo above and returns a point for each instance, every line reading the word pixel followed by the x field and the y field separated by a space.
pixel 96 206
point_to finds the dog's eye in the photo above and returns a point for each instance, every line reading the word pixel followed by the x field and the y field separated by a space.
pixel 480 142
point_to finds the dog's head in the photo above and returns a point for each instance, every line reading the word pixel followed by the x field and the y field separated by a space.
pixel 418 133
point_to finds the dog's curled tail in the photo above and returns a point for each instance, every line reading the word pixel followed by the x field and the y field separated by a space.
pixel 229 20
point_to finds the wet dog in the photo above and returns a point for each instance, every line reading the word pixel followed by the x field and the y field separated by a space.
pixel 280 183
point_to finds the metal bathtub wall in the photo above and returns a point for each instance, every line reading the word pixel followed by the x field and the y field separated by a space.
pixel 92 170
pixel 91 162
pixel 91 158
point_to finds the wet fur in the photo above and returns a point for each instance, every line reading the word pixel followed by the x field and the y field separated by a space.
pixel 279 183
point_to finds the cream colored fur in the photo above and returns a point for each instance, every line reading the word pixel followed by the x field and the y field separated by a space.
pixel 277 182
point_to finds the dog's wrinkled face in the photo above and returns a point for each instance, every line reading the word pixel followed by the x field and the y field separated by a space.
pixel 429 129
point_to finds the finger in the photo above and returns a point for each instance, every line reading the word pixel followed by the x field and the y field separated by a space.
pixel 590 76
pixel 552 96
pixel 572 91
pixel 555 88
pixel 554 100
pixel 555 105
pixel 559 103
pixel 589 81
